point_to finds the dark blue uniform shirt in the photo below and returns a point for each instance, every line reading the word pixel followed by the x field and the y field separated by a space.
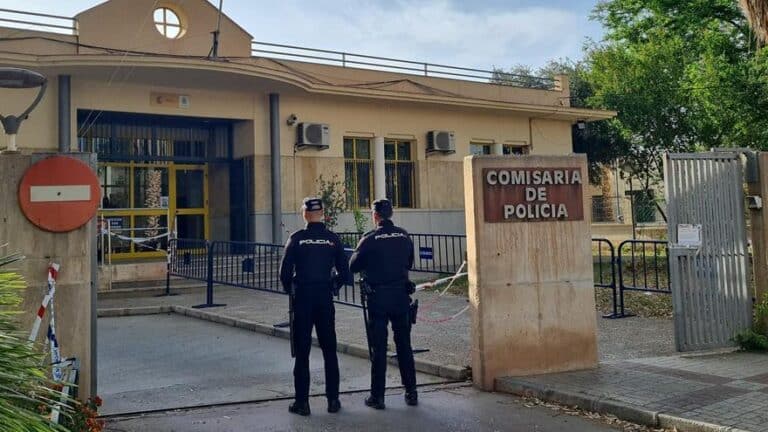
pixel 385 255
pixel 310 255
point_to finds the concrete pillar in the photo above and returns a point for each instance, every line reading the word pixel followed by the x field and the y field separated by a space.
pixel 75 299
pixel 497 149
pixel 531 286
pixel 759 222
pixel 379 171
pixel 65 114
pixel 274 145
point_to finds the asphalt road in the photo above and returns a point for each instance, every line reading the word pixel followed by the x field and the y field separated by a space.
pixel 170 361
pixel 441 408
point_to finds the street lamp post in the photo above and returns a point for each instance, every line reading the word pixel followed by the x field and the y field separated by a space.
pixel 15 78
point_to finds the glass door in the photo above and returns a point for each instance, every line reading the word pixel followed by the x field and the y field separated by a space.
pixel 191 209
pixel 138 199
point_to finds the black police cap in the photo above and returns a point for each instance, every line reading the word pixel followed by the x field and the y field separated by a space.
pixel 383 207
pixel 313 204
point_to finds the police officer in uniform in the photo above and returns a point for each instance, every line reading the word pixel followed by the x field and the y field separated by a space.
pixel 305 272
pixel 384 256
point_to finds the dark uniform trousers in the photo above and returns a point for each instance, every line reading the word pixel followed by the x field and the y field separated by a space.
pixel 313 307
pixel 387 306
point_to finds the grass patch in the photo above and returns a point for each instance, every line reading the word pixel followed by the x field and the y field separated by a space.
pixel 460 287
pixel 648 305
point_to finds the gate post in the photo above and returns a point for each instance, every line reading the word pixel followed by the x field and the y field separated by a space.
pixel 210 248
pixel 531 286
pixel 759 222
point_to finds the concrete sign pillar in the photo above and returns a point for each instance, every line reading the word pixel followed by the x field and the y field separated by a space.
pixel 75 251
pixel 530 266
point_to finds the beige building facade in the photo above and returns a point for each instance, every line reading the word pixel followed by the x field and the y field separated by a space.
pixel 209 139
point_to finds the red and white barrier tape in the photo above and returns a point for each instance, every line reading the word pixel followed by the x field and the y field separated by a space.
pixel 450 279
pixel 53 273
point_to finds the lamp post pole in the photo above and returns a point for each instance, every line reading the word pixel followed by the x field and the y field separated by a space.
pixel 15 78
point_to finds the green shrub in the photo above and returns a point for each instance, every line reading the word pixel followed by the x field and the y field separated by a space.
pixel 361 221
pixel 756 338
pixel 26 395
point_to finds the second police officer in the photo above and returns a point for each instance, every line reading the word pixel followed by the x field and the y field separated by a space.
pixel 385 256
pixel 305 273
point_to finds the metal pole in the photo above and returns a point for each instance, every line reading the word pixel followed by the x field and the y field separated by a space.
pixel 65 114
pixel 274 143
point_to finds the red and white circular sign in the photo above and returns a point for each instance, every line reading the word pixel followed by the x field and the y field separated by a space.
pixel 59 194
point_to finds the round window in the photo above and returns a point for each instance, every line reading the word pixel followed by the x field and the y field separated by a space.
pixel 167 22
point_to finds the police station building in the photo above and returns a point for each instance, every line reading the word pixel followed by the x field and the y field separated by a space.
pixel 228 139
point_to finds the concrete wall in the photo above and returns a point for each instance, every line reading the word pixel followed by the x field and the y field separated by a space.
pixel 76 287
pixel 530 285
pixel 129 24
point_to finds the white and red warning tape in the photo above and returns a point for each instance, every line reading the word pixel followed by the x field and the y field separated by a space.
pixel 53 272
pixel 450 279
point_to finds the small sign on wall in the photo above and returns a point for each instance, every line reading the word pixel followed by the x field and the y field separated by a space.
pixel 533 194
pixel 169 100
pixel 689 235
pixel 426 253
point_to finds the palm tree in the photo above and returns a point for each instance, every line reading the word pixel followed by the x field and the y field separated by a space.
pixel 756 12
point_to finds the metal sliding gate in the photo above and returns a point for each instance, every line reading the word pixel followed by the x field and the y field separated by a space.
pixel 708 256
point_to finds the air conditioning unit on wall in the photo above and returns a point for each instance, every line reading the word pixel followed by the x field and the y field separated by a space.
pixel 313 135
pixel 441 142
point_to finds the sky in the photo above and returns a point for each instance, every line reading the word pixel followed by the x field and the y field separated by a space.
pixel 470 33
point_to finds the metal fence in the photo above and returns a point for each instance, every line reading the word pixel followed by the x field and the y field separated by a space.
pixel 239 264
pixel 257 265
pixel 38 21
pixel 363 61
pixel 636 209
pixel 636 265
pixel 434 253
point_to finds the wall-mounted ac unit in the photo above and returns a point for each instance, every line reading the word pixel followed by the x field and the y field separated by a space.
pixel 441 142
pixel 313 135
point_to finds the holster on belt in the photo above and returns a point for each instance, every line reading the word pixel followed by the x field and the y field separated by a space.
pixel 413 310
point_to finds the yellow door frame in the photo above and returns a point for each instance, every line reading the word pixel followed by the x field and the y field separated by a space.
pixel 132 213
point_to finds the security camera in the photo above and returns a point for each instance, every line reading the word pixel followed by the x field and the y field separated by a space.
pixel 292 119
pixel 581 124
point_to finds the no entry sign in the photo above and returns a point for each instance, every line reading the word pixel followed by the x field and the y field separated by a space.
pixel 59 194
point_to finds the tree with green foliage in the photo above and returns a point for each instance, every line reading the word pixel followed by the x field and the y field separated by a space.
pixel 683 76
pixel 334 196
pixel 598 140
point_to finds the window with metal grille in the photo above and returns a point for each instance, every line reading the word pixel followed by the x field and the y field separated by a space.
pixel 487 149
pixel 479 149
pixel 139 137
pixel 358 172
pixel 400 173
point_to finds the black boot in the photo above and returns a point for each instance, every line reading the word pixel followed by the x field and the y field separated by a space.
pixel 412 398
pixel 375 403
pixel 334 406
pixel 300 408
